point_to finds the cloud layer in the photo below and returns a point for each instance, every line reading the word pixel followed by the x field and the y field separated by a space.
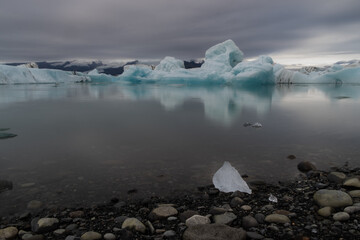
pixel 111 29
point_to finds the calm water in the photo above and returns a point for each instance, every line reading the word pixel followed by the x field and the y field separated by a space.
pixel 84 143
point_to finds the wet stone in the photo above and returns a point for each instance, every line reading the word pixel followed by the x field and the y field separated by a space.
pixel 277 218
pixel 225 218
pixel 109 236
pixel 44 225
pixel 213 231
pixel 236 202
pixel 91 236
pixel 306 166
pixel 355 193
pixel 336 177
pixel 187 214
pixel 325 211
pixel 249 222
pixel 197 219
pixel 163 212
pixel 332 198
pixel 254 235
pixel 134 224
pixel 341 216
pixel 352 182
pixel 352 209
pixel 8 233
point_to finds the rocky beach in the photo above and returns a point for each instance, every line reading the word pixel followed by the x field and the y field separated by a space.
pixel 315 205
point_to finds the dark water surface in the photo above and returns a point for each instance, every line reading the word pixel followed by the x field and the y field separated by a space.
pixel 83 143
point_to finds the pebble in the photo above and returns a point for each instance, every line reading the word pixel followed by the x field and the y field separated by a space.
pixel 172 218
pixel 59 232
pixel 249 222
pixel 341 216
pixel 355 193
pixel 8 233
pixel 332 198
pixel 260 218
pixel 34 204
pixel 214 232
pixel 197 219
pixel 44 224
pixel 306 166
pixel 352 209
pixel 169 234
pixel 134 224
pixel 109 236
pixel 91 236
pixel 254 235
pixel 225 218
pixel 187 214
pixel 336 177
pixel 76 214
pixel 236 202
pixel 246 208
pixel 163 212
pixel 352 182
pixel 325 211
pixel 277 218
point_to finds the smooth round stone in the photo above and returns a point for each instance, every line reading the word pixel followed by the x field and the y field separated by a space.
pixel 325 211
pixel 91 236
pixel 236 201
pixel 163 212
pixel 134 224
pixel 249 222
pixel 277 218
pixel 225 218
pixel 44 224
pixel 254 235
pixel 197 219
pixel 109 236
pixel 246 208
pixel 352 209
pixel 355 193
pixel 332 198
pixel 352 182
pixel 341 216
pixel 36 237
pixel 336 177
pixel 34 204
pixel 172 218
pixel 59 232
pixel 213 231
pixel 169 234
pixel 306 166
pixel 27 236
pixel 187 214
pixel 260 217
pixel 8 233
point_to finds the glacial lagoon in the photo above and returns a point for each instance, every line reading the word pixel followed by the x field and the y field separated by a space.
pixel 82 144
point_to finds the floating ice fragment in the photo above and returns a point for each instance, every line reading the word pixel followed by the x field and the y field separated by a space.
pixel 257 125
pixel 247 124
pixel 7 135
pixel 272 198
pixel 228 179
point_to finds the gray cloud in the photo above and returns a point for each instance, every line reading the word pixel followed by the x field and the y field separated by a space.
pixel 109 29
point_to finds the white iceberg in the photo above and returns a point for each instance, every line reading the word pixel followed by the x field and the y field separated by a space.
pixel 21 74
pixel 222 65
pixel 228 179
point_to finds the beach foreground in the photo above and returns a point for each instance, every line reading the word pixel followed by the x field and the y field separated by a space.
pixel 316 205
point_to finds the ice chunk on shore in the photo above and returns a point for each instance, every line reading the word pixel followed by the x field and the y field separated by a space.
pixel 16 75
pixel 228 179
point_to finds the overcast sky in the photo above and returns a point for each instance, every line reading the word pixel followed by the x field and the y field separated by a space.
pixel 114 29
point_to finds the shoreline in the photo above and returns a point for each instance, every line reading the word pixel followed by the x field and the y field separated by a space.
pixel 317 205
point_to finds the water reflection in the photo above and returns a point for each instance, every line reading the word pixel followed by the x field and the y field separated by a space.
pixel 222 104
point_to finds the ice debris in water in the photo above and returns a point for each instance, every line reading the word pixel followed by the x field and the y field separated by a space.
pixel 257 125
pixel 228 179
pixel 272 198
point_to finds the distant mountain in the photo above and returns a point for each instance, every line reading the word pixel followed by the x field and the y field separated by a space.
pixel 112 68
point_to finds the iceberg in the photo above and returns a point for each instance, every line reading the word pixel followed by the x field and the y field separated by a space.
pixel 228 179
pixel 23 74
pixel 223 64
